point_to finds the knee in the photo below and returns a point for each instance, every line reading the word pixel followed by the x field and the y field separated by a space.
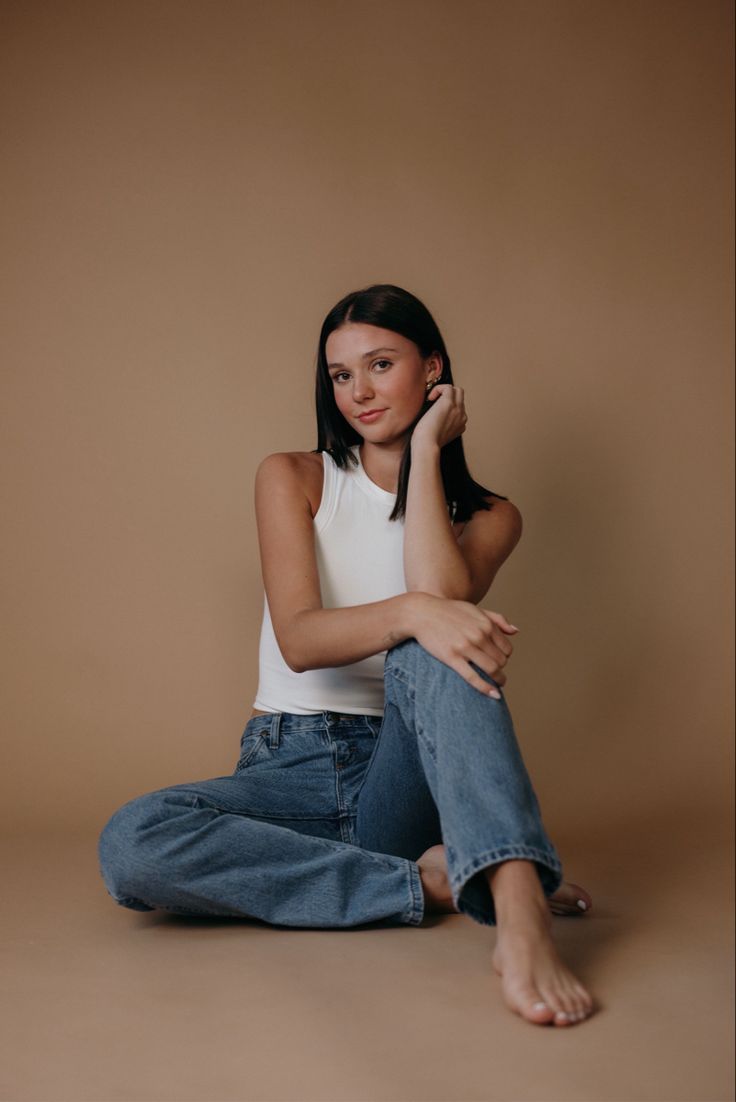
pixel 411 655
pixel 410 665
pixel 125 850
pixel 405 651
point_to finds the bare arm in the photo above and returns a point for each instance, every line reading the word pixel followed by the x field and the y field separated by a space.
pixel 435 560
pixel 312 637
pixel 309 636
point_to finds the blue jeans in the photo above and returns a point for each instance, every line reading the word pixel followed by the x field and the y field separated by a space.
pixel 323 820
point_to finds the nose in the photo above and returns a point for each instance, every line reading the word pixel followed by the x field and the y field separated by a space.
pixel 362 388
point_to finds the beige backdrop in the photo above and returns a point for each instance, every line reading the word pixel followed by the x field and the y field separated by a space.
pixel 189 187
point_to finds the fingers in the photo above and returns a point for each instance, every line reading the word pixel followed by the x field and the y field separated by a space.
pixel 490 650
pixel 489 662
pixel 488 639
pixel 474 679
pixel 502 643
pixel 500 619
pixel 456 394
pixel 473 661
pixel 451 419
pixel 476 647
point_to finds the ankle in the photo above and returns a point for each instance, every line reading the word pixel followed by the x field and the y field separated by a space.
pixel 428 880
pixel 516 890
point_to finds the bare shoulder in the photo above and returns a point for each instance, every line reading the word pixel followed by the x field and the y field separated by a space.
pixel 507 514
pixel 499 527
pixel 502 516
pixel 292 472
pixel 487 540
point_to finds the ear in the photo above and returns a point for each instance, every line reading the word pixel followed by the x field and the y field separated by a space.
pixel 434 367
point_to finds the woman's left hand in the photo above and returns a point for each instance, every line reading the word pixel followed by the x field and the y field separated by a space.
pixel 445 419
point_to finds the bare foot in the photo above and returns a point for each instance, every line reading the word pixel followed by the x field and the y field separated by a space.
pixel 435 881
pixel 569 899
pixel 535 982
pixel 438 896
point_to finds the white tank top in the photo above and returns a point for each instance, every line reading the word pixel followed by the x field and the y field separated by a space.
pixel 360 559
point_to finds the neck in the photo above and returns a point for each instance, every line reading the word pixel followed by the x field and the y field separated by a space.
pixel 381 463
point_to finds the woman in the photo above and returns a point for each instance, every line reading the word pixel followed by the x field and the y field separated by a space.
pixel 379 776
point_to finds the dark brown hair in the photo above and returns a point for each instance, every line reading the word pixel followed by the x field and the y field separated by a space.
pixel 389 307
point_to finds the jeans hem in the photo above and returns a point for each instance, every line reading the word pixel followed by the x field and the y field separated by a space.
pixel 130 902
pixel 550 883
pixel 415 915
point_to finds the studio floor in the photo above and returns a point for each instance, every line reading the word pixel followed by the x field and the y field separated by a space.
pixel 105 1004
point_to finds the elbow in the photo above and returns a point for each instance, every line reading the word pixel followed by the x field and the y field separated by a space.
pixel 457 585
pixel 447 592
pixel 293 659
pixel 290 643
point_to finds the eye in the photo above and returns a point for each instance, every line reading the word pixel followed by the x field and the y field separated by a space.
pixel 379 362
pixel 338 374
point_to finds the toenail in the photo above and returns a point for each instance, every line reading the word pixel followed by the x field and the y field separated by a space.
pixel 540 1006
pixel 582 905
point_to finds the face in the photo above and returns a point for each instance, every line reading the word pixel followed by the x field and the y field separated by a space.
pixel 378 378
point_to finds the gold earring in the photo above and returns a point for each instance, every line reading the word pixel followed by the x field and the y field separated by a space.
pixel 430 383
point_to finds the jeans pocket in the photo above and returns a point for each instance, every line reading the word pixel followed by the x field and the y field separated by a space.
pixel 251 743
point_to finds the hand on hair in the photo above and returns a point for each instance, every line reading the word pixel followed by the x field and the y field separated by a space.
pixel 444 420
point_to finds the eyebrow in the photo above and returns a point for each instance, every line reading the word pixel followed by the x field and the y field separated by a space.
pixel 367 355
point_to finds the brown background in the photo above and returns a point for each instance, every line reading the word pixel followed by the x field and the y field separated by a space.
pixel 191 187
pixel 188 188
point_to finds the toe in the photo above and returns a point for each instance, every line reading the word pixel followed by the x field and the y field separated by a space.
pixel 579 1010
pixel 575 999
pixel 531 1005
pixel 584 997
pixel 581 897
pixel 538 1011
pixel 574 898
pixel 570 899
pixel 551 996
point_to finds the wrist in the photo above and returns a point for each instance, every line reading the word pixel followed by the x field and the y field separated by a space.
pixel 424 450
pixel 411 607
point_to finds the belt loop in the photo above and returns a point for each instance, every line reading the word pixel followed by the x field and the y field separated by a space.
pixel 275 738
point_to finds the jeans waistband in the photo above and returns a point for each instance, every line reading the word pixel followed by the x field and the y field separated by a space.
pixel 290 721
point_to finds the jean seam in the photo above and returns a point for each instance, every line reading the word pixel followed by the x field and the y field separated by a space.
pixel 415 915
pixel 397 674
pixel 245 759
pixel 200 804
pixel 323 843
pixel 426 743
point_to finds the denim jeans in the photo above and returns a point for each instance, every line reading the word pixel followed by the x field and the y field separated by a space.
pixel 325 815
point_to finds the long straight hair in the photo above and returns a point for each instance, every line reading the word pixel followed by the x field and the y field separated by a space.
pixel 389 307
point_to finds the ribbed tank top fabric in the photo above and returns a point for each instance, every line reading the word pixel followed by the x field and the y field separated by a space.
pixel 359 554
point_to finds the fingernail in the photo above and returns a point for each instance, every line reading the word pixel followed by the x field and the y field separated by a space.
pixel 582 905
pixel 494 693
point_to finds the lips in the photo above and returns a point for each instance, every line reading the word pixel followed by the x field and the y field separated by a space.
pixel 371 414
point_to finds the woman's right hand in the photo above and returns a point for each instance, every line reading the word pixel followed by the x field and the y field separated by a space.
pixel 458 633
